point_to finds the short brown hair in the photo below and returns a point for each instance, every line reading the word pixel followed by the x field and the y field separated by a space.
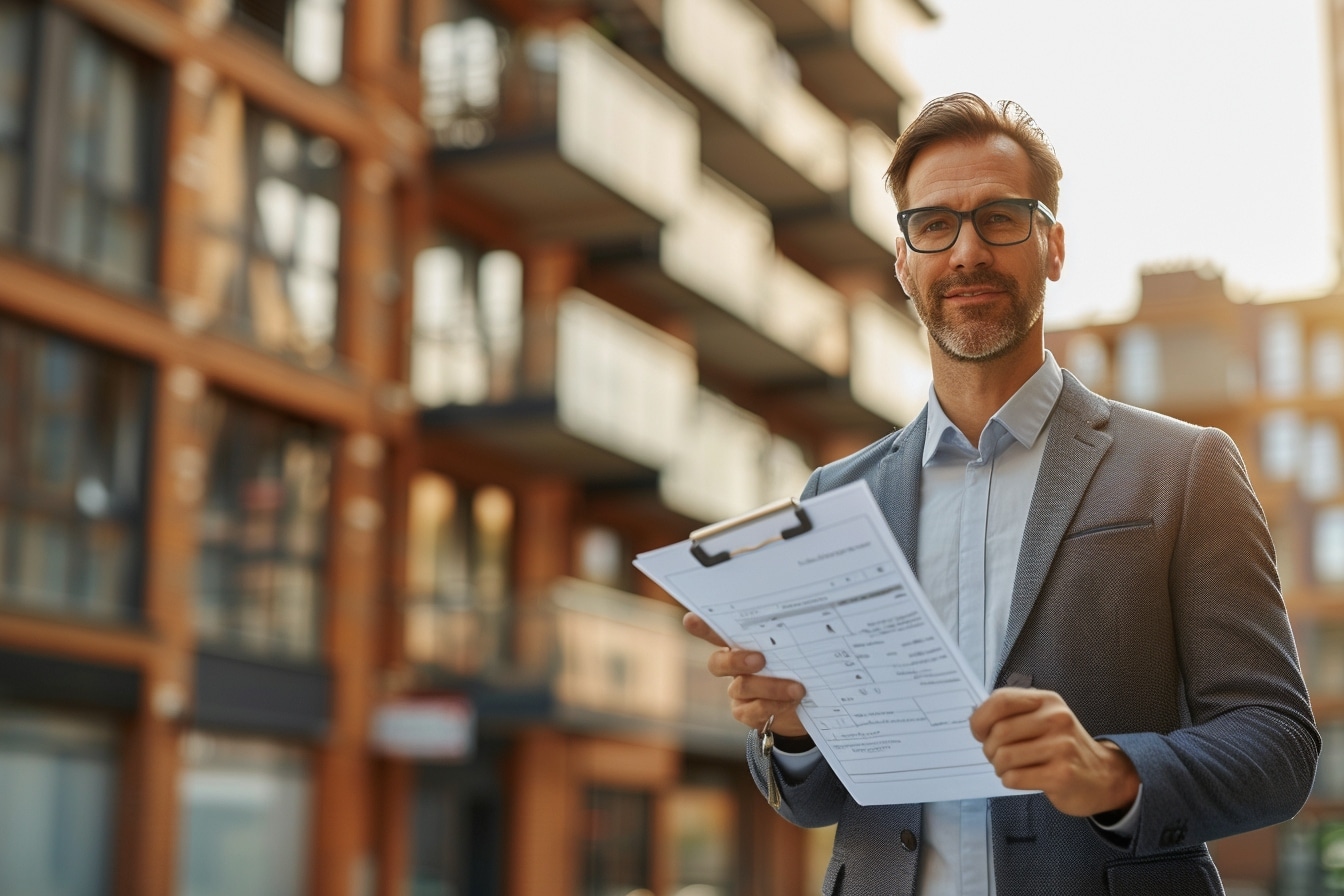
pixel 965 116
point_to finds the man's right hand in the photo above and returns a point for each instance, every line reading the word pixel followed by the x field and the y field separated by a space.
pixel 755 698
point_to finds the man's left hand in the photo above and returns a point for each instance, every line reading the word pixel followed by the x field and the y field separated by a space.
pixel 1035 742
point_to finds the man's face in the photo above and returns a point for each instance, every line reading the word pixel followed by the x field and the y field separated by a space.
pixel 979 302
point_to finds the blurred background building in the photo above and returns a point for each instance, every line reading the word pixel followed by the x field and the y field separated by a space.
pixel 349 350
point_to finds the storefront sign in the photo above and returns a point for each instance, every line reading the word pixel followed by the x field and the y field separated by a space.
pixel 442 728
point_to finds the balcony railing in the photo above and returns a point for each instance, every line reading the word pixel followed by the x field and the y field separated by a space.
pixel 755 89
pixel 564 120
pixel 603 658
pixel 586 375
pixel 729 463
pixel 890 371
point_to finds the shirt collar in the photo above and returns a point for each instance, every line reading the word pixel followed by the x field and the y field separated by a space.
pixel 1023 416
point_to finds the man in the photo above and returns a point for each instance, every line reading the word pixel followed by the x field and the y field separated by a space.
pixel 1107 570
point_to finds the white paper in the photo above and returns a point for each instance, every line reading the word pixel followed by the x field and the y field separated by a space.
pixel 838 608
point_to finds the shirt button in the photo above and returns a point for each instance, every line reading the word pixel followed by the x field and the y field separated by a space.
pixel 909 840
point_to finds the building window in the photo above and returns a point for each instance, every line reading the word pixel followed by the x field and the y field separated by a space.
pixel 1281 437
pixel 263 531
pixel 460 67
pixel 79 151
pixel 1327 659
pixel 310 31
pixel 1327 549
pixel 1321 469
pixel 467 326
pixel 58 774
pixel 245 809
pixel 1087 357
pixel 703 829
pixel 73 431
pixel 1281 355
pixel 1327 362
pixel 459 571
pixel 601 556
pixel 615 843
pixel 456 831
pixel 269 248
pixel 1139 363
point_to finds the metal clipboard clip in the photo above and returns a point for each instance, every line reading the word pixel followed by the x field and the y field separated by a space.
pixel 708 559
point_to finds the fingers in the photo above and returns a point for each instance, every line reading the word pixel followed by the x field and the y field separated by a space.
pixel 1006 703
pixel 697 626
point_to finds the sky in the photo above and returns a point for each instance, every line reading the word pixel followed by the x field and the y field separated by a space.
pixel 1191 132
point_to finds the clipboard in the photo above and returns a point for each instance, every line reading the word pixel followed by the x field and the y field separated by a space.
pixel 699 536
pixel 823 590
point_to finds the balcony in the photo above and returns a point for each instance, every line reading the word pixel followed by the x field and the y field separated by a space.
pixel 856 228
pixel 729 463
pixel 570 139
pixel 585 657
pixel 890 371
pixel 590 393
pixel 849 57
pixel 755 315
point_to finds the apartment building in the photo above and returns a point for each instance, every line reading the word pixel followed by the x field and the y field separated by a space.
pixel 1272 377
pixel 349 350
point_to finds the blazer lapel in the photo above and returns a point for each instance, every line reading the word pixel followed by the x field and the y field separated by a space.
pixel 896 487
pixel 1073 450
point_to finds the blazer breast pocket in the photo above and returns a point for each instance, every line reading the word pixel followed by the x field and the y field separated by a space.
pixel 1107 528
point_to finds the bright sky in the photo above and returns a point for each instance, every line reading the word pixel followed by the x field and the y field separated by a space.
pixel 1189 130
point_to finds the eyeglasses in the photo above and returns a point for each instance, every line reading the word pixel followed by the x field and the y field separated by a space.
pixel 1003 222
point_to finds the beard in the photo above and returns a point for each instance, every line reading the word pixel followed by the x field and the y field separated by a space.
pixel 982 332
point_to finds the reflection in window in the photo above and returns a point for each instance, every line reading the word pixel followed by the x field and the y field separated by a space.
pixel 1281 436
pixel 1328 546
pixel 269 251
pixel 58 774
pixel 245 807
pixel 1327 362
pixel 79 160
pixel 615 843
pixel 1281 354
pixel 311 32
pixel 263 531
pixel 1321 468
pixel 73 433
pixel 460 65
pixel 459 570
pixel 467 326
pixel 1139 363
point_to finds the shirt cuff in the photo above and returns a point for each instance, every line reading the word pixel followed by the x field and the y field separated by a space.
pixel 795 766
pixel 1128 823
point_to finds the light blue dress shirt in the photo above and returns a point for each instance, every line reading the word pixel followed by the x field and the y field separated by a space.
pixel 973 509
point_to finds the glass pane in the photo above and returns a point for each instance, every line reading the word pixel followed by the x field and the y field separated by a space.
pixel 82 104
pixel 124 246
pixel 16 36
pixel 315 40
pixel 121 130
pixel 263 531
pixel 74 485
pixel 245 818
pixel 616 847
pixel 58 775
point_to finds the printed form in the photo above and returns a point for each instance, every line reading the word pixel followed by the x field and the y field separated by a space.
pixel 838 609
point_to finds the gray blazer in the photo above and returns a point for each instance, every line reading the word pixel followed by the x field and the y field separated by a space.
pixel 1146 595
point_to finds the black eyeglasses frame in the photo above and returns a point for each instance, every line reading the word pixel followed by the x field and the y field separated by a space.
pixel 1033 205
